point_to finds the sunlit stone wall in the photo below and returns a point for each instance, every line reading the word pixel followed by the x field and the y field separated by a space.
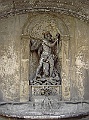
pixel 10 32
pixel 15 53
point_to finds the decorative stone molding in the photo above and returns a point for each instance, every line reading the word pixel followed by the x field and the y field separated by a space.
pixel 77 8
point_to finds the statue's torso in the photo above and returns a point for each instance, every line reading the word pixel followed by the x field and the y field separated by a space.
pixel 46 48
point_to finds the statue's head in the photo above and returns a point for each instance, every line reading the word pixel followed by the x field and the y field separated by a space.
pixel 47 35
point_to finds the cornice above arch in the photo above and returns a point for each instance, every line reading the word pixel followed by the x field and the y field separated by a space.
pixel 75 8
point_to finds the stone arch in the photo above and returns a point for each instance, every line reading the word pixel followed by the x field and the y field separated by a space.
pixel 34 28
pixel 45 19
pixel 72 8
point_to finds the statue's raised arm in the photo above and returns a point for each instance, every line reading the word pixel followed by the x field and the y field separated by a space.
pixel 49 41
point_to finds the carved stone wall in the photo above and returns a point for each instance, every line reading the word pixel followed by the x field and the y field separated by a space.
pixel 74 8
pixel 15 56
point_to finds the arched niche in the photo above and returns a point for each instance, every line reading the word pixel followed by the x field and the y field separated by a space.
pixel 34 27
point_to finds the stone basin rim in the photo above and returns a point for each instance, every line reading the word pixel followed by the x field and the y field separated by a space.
pixel 45 116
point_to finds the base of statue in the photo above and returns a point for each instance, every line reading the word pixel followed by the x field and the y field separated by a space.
pixel 46 90
pixel 46 81
pixel 46 94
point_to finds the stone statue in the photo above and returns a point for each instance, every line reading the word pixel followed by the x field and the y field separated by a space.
pixel 46 73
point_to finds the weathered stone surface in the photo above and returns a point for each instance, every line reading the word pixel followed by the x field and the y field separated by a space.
pixel 16 61
pixel 19 21
pixel 74 8
pixel 10 31
pixel 15 55
pixel 59 110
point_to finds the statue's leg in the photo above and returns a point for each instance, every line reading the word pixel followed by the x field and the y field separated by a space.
pixel 39 67
pixel 46 68
pixel 51 65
